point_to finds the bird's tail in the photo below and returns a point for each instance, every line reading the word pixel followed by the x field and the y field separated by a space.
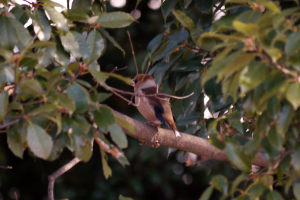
pixel 173 127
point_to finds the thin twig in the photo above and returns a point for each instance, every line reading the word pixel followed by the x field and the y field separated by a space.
pixel 58 173
pixel 116 69
pixel 219 6
pixel 9 124
pixel 133 54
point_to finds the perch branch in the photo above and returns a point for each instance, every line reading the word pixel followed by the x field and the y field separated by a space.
pixel 187 142
pixel 58 173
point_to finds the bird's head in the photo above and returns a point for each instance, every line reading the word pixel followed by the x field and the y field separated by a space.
pixel 143 81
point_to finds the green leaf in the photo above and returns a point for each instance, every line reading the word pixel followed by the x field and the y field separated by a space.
pixel 188 118
pixel 100 97
pixel 291 46
pixel 115 20
pixel 20 14
pixel 249 16
pixel 58 18
pixel 77 15
pixel 166 8
pixel 14 142
pixel 53 4
pixel 106 169
pixel 234 120
pixel 271 6
pixel 237 181
pixel 61 56
pixel 125 124
pixel 15 106
pixel 96 44
pixel 21 32
pixel 296 160
pixel 84 6
pixel 7 33
pixel 204 6
pixel 274 195
pixel 80 96
pixel 246 29
pixel 220 183
pixel 39 142
pixel 104 118
pixel 284 119
pixel 31 87
pixel 275 139
pixel 99 76
pixel 207 193
pixel 118 136
pixel 4 104
pixel 183 19
pixel 6 75
pixel 252 76
pixel 122 78
pixel 112 40
pixel 41 25
pixel 256 190
pixel 42 109
pixel 121 197
pixel 293 94
pixel 76 44
pixel 67 102
pixel 296 189
pixel 238 158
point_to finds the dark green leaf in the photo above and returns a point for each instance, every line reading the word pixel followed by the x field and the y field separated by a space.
pixel 20 14
pixel 238 158
pixel 220 183
pixel 104 118
pixel 57 18
pixel 188 118
pixel 99 76
pixel 284 119
pixel 125 124
pixel 234 120
pixel 7 33
pixel 76 44
pixel 31 87
pixel 96 44
pixel 115 20
pixel 205 6
pixel 236 183
pixel 39 142
pixel 84 5
pixel 155 43
pixel 112 40
pixel 274 195
pixel 61 56
pixel 256 190
pixel 275 139
pixel 42 109
pixel 77 15
pixel 296 160
pixel 166 8
pixel 67 102
pixel 14 142
pixel 80 96
pixel 4 104
pixel 291 46
pixel 184 19
pixel 41 25
pixel 118 136
pixel 15 106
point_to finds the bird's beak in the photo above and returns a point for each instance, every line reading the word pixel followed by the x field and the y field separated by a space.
pixel 132 83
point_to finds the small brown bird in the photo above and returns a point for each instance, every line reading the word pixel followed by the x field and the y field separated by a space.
pixel 156 109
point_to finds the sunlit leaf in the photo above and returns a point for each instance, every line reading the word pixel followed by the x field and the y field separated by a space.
pixel 58 18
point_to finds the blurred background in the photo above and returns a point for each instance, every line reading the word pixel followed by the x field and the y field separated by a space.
pixel 151 174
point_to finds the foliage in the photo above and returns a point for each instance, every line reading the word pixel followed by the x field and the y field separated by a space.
pixel 246 62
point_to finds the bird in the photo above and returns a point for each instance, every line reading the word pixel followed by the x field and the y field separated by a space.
pixel 155 108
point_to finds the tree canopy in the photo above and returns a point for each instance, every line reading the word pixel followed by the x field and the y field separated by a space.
pixel 239 58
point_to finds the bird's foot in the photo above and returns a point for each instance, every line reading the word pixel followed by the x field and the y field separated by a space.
pixel 152 124
pixel 155 141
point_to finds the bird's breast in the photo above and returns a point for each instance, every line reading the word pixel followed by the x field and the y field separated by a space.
pixel 146 109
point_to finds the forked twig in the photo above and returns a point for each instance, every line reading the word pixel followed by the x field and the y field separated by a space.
pixel 58 173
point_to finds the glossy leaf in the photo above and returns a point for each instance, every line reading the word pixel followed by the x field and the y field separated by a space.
pixel 77 15
pixel 84 6
pixel 31 87
pixel 166 8
pixel 118 136
pixel 39 142
pixel 112 40
pixel 115 20
pixel 183 19
pixel 14 142
pixel 57 18
pixel 41 25
pixel 293 94
pixel 80 96
pixel 67 102
pixel 76 44
pixel 7 33
pixel 237 158
pixel 96 44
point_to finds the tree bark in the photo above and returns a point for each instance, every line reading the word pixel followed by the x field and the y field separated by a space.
pixel 186 142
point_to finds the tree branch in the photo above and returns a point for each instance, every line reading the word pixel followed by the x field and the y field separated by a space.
pixel 58 173
pixel 187 142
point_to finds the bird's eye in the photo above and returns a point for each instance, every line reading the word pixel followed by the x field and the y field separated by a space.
pixel 135 81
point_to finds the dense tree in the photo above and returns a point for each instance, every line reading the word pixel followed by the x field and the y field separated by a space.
pixel 243 56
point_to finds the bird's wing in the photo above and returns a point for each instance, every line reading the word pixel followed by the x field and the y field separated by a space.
pixel 155 103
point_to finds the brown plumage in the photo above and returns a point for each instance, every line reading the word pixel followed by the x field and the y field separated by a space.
pixel 156 109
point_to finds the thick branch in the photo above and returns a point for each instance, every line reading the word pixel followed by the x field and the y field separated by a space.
pixel 58 173
pixel 187 142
